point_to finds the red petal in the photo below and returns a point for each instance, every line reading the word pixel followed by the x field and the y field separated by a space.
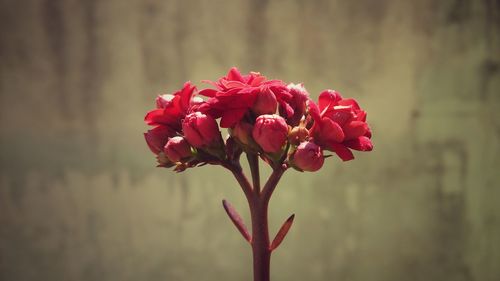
pixel 285 109
pixel 231 117
pixel 232 84
pixel 155 117
pixel 331 131
pixel 341 116
pixel 234 75
pixel 368 133
pixel 234 100
pixel 361 115
pixel 313 110
pixel 355 129
pixel 257 80
pixel 343 152
pixel 328 98
pixel 186 95
pixel 349 102
pixel 208 92
pixel 361 144
pixel 208 108
pixel 229 93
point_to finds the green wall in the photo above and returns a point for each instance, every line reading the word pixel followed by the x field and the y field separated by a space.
pixel 80 198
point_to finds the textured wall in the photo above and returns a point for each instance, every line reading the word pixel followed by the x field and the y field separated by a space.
pixel 80 198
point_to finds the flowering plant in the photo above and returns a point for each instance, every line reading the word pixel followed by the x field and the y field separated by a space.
pixel 267 119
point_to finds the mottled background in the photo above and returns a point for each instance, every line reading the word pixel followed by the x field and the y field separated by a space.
pixel 80 198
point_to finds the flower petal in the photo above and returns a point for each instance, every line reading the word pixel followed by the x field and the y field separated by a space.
pixel 349 102
pixel 368 133
pixel 331 131
pixel 229 84
pixel 156 117
pixel 313 110
pixel 328 98
pixel 341 115
pixel 355 129
pixel 285 109
pixel 234 74
pixel 208 92
pixel 361 144
pixel 256 80
pixel 343 152
pixel 361 115
pixel 186 95
pixel 231 117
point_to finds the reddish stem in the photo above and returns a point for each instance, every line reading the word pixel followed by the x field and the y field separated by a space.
pixel 258 201
pixel 253 162
pixel 260 240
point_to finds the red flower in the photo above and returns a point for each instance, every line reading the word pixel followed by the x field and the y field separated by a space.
pixel 340 125
pixel 236 94
pixel 262 115
pixel 308 157
pixel 270 132
pixel 167 117
pixel 177 148
pixel 171 109
pixel 201 130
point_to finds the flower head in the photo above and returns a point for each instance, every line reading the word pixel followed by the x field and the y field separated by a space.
pixel 236 94
pixel 340 125
pixel 273 119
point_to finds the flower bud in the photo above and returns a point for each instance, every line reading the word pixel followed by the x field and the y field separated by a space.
pixel 270 132
pixel 201 130
pixel 242 131
pixel 265 103
pixel 177 148
pixel 298 103
pixel 298 134
pixel 308 157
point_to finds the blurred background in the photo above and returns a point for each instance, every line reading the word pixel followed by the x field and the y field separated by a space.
pixel 81 199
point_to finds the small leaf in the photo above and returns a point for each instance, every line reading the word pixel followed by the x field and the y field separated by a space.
pixel 282 233
pixel 237 220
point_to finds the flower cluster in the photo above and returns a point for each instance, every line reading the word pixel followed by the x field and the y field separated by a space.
pixel 276 120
